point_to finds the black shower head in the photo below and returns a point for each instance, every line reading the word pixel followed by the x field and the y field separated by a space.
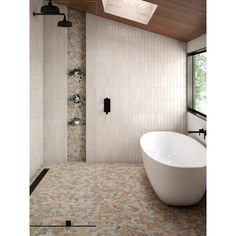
pixel 49 9
pixel 64 23
pixel 53 10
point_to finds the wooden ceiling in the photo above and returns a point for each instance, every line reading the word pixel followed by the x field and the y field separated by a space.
pixel 180 19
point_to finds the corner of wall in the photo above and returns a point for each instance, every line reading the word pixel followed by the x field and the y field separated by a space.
pixel 196 44
pixel 195 123
pixel 36 88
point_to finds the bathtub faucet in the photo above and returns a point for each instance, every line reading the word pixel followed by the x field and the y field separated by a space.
pixel 200 131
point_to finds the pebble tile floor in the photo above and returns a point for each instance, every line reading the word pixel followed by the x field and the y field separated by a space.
pixel 117 198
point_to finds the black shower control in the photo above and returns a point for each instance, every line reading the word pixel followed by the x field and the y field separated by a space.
pixel 200 131
pixel 107 105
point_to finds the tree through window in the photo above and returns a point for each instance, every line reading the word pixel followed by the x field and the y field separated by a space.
pixel 197 81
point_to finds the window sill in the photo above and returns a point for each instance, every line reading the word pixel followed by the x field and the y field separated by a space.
pixel 197 113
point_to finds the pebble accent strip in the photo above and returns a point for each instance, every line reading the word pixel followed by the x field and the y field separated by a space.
pixel 76 58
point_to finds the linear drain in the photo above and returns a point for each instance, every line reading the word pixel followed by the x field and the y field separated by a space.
pixel 67 224
pixel 52 226
pixel 38 180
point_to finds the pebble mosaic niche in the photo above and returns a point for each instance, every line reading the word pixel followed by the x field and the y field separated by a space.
pixel 76 85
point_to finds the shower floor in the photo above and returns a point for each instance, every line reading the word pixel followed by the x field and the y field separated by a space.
pixel 117 198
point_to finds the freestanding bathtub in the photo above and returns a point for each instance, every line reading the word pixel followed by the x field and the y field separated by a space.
pixel 176 167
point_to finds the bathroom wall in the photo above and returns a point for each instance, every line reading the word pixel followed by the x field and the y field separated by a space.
pixel 76 59
pixel 144 75
pixel 197 43
pixel 194 122
pixel 36 88
pixel 55 89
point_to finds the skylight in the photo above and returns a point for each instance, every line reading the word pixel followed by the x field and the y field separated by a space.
pixel 135 10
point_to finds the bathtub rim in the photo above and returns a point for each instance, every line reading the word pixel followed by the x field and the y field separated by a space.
pixel 169 165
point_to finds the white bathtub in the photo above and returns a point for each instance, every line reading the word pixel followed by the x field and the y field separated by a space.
pixel 176 167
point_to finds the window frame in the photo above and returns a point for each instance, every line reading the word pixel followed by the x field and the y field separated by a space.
pixel 190 83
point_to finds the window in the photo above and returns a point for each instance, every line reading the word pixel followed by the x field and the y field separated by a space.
pixel 196 82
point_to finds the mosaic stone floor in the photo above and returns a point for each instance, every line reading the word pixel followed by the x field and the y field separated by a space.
pixel 117 198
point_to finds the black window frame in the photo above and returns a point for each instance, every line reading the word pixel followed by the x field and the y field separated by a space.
pixel 190 84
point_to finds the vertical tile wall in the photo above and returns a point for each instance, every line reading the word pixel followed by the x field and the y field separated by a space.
pixel 76 58
pixel 196 123
pixel 36 88
pixel 55 89
pixel 144 75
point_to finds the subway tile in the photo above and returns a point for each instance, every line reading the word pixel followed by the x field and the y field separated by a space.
pixel 152 67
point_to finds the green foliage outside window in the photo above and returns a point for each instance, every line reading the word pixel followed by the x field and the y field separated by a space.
pixel 199 82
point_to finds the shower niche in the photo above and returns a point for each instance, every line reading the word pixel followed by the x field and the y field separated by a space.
pixel 78 101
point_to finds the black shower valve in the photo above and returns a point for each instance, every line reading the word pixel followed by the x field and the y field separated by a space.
pixel 107 105
pixel 199 132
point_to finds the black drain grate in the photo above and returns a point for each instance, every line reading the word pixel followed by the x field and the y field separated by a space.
pixel 38 179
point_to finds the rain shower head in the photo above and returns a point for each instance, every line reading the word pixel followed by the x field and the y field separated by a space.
pixel 49 9
pixel 64 23
pixel 53 10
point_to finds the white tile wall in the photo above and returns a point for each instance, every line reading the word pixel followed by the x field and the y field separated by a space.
pixel 144 75
pixel 195 123
pixel 197 43
pixel 48 88
pixel 55 89
pixel 36 88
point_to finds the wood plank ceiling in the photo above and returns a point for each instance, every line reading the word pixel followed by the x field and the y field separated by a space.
pixel 180 19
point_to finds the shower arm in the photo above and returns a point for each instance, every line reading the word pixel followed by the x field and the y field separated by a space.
pixel 43 14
